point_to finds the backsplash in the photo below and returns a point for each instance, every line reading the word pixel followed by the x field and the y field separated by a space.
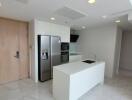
pixel 73 48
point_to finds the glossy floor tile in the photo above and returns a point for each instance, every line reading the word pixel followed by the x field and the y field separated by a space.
pixel 119 88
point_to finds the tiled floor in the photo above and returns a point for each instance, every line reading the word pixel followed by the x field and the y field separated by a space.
pixel 125 72
pixel 119 88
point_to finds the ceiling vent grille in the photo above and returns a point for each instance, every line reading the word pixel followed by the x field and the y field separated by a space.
pixel 69 13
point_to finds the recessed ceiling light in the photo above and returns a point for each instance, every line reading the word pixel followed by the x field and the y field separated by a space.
pixel 91 1
pixel 0 4
pixel 83 27
pixel 117 21
pixel 52 18
pixel 104 16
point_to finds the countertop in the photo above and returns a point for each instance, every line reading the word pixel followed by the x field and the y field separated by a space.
pixel 74 67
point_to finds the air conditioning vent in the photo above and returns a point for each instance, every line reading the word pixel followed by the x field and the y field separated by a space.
pixel 69 13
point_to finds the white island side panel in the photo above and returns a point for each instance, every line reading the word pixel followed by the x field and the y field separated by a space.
pixel 72 80
pixel 61 85
pixel 83 81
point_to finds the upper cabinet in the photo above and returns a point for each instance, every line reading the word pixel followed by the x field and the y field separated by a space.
pixel 46 28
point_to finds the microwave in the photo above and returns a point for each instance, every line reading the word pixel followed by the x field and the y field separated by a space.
pixel 64 46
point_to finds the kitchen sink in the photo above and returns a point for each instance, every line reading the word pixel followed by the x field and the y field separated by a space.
pixel 89 61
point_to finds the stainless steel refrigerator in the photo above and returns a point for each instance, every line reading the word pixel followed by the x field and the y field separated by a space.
pixel 49 55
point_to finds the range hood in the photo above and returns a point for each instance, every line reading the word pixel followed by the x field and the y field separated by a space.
pixel 74 37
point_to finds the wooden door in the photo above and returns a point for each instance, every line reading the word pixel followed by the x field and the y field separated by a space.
pixel 13 38
pixel 23 49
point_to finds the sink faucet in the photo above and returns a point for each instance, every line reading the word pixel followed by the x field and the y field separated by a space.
pixel 95 57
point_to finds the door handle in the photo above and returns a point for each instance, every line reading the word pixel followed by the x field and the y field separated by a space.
pixel 17 55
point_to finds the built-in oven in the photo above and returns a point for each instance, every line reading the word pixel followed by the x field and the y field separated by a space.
pixel 64 57
pixel 64 52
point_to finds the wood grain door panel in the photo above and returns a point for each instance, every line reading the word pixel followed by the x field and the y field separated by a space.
pixel 23 35
pixel 13 38
pixel 9 66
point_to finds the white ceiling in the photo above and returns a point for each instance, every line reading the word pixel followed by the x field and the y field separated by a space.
pixel 44 9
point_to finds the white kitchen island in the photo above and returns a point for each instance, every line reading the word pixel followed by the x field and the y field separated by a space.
pixel 72 80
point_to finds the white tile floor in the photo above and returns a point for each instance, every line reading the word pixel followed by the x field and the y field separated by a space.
pixel 119 88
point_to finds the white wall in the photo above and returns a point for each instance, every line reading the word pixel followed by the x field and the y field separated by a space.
pixel 32 49
pixel 99 42
pixel 126 51
pixel 44 28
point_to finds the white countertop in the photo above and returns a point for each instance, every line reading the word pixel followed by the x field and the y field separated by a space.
pixel 74 67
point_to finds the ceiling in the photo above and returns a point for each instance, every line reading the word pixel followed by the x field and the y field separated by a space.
pixel 27 10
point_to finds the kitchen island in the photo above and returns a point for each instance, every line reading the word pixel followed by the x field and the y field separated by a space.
pixel 72 80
